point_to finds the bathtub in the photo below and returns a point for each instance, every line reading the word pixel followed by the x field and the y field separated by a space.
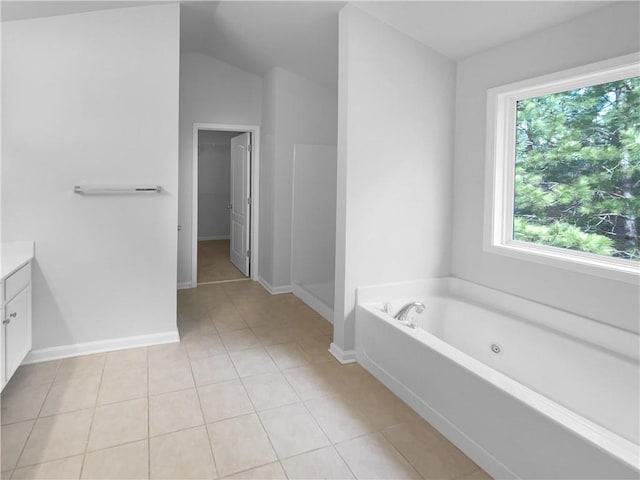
pixel 525 390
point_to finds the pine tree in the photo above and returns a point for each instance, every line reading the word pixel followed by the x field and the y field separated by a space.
pixel 577 182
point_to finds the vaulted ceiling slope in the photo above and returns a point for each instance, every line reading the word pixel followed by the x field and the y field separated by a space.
pixel 302 36
pixel 461 29
pixel 255 36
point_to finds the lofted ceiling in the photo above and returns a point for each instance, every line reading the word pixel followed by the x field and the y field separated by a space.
pixel 255 36
pixel 302 36
pixel 462 29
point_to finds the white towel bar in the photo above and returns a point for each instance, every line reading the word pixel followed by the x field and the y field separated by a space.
pixel 115 189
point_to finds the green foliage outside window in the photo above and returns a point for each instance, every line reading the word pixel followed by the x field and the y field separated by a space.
pixel 577 171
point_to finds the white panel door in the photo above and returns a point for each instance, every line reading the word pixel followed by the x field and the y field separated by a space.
pixel 240 203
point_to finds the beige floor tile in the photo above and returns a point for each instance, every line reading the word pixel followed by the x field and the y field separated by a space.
pixel 432 455
pixel 57 437
pixel 324 463
pixel 127 462
pixel 318 323
pixel 372 456
pixel 479 474
pixel 64 469
pixel 69 395
pixel 356 378
pixel 228 323
pixel 287 355
pixel 269 390
pixel 35 373
pixel 14 437
pixel 382 407
pixel 253 362
pixel 244 290
pixel 255 315
pixel 219 305
pixel 224 400
pixel 239 340
pixel 21 403
pixel 182 455
pixel 119 423
pixel 213 290
pixel 174 411
pixel 189 330
pixel 169 379
pixel 195 312
pixel 311 381
pixel 119 384
pixel 170 355
pixel 269 335
pixel 339 418
pixel 239 444
pixel 81 367
pixel 216 369
pixel 214 263
pixel 130 359
pixel 316 348
pixel 272 471
pixel 205 346
pixel 292 430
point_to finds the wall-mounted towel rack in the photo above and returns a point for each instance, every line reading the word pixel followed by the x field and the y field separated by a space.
pixel 115 189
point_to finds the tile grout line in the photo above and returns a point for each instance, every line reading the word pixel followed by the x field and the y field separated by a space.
pixel 93 416
pixel 35 420
pixel 255 412
pixel 258 415
pixel 297 341
pixel 204 420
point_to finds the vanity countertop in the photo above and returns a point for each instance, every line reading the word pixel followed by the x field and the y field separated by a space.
pixel 14 255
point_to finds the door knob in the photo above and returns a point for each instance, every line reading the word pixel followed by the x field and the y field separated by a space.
pixel 229 207
pixel 13 315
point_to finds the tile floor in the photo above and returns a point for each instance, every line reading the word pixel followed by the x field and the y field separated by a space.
pixel 250 392
pixel 214 264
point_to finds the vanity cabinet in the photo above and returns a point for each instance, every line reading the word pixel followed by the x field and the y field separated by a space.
pixel 15 331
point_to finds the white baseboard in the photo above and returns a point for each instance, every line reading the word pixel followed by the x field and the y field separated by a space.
pixel 76 349
pixel 273 290
pixel 312 301
pixel 213 237
pixel 343 356
pixel 185 285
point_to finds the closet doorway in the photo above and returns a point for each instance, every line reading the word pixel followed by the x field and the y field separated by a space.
pixel 224 211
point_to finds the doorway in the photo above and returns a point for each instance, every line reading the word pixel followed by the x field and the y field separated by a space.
pixel 225 214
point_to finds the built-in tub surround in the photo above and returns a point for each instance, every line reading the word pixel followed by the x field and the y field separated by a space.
pixel 525 390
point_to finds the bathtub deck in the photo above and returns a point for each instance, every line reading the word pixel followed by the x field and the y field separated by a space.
pixel 250 392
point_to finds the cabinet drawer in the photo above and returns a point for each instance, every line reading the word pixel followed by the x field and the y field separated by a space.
pixel 16 282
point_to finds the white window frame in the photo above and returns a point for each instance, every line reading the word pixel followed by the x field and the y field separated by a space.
pixel 500 172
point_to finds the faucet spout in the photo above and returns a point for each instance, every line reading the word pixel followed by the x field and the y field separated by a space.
pixel 403 313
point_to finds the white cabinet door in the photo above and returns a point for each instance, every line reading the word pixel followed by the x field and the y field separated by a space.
pixel 17 331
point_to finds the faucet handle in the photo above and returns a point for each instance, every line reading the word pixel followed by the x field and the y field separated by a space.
pixel 386 307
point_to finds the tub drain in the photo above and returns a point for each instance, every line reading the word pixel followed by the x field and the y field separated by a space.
pixel 495 348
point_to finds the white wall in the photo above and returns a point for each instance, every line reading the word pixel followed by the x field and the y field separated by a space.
pixel 395 150
pixel 298 111
pixel 603 34
pixel 211 91
pixel 267 177
pixel 214 184
pixel 313 225
pixel 93 98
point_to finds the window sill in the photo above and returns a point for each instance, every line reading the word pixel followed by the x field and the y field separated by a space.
pixel 586 263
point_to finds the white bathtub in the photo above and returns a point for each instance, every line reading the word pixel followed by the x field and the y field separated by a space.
pixel 560 399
